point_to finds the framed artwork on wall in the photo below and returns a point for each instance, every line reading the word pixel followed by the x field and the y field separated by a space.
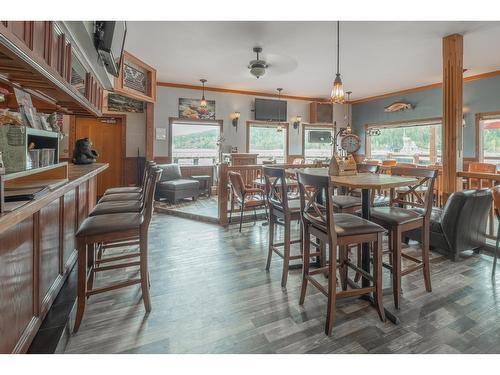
pixel 191 109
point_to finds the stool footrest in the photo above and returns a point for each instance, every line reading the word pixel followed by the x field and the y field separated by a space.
pixel 117 258
pixel 113 287
pixel 115 266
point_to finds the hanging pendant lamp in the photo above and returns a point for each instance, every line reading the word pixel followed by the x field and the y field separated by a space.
pixel 337 95
pixel 203 103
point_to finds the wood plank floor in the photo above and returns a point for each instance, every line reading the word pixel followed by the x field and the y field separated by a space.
pixel 211 294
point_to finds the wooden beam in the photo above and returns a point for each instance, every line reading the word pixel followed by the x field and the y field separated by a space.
pixel 150 117
pixel 452 113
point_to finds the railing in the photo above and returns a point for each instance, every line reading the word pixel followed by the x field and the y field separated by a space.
pixel 249 174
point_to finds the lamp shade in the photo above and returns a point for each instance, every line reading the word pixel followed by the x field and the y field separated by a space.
pixel 337 95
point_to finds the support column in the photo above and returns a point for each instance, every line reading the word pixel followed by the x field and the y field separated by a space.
pixel 150 116
pixel 452 113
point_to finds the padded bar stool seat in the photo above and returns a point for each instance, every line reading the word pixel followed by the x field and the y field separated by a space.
pixel 115 223
pixel 124 189
pixel 121 197
pixel 343 202
pixel 116 207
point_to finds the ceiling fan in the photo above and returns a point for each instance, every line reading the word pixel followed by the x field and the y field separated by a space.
pixel 257 67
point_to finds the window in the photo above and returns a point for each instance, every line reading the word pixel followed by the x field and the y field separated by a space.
pixel 490 139
pixel 195 143
pixel 415 142
pixel 268 141
pixel 314 147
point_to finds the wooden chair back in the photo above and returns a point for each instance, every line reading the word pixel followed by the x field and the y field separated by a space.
pixel 276 187
pixel 410 197
pixel 238 185
pixel 153 178
pixel 475 183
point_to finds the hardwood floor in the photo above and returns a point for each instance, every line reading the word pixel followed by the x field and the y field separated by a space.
pixel 211 294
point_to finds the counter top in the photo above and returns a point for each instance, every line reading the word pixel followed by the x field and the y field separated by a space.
pixel 76 175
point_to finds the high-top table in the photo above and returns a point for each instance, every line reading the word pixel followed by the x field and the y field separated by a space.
pixel 365 182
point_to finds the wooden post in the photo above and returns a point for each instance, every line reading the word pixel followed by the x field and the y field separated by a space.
pixel 150 118
pixel 452 113
pixel 432 145
pixel 222 193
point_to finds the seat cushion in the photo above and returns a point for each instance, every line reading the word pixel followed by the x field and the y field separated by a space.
pixel 394 215
pixel 123 189
pixel 348 225
pixel 116 207
pixel 112 223
pixel 170 172
pixel 121 197
pixel 345 201
pixel 180 184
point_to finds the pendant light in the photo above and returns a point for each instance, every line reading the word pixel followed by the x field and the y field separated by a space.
pixel 349 128
pixel 279 129
pixel 203 103
pixel 337 95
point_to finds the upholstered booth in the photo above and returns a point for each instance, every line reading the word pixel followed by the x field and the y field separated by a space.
pixel 173 187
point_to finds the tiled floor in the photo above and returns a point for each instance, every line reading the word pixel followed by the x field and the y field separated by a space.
pixel 211 294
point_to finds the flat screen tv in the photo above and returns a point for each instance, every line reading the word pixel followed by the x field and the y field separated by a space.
pixel 319 136
pixel 109 41
pixel 270 110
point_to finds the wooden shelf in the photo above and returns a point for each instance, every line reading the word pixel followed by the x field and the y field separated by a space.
pixel 35 171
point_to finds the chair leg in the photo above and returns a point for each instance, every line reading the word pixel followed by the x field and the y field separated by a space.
pixel 241 215
pixel 343 266
pixel 377 275
pixel 91 265
pixel 496 252
pixel 231 212
pixel 396 266
pixel 425 257
pixel 358 262
pixel 286 253
pixel 332 289
pixel 305 263
pixel 271 242
pixel 81 247
pixel 144 270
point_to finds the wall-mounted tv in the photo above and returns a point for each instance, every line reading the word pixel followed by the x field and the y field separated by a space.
pixel 109 41
pixel 270 110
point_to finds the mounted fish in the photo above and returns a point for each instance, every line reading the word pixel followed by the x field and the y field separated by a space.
pixel 397 106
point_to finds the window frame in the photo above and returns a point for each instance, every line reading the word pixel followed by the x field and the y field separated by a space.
pixel 400 124
pixel 180 121
pixel 308 126
pixel 266 124
pixel 481 116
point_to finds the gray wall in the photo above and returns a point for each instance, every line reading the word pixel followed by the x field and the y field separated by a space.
pixel 225 103
pixel 479 96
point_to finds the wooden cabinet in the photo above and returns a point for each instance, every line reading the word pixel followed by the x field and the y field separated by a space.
pixel 242 159
pixel 320 113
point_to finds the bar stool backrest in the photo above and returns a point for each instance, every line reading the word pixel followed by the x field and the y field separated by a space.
pixel 411 197
pixel 276 188
pixel 147 169
pixel 314 189
pixel 147 210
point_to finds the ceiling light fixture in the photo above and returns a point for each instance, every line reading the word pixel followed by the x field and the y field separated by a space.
pixel 203 103
pixel 337 95
pixel 257 67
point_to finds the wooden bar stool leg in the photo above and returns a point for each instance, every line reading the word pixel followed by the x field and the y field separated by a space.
pixel 377 275
pixel 396 266
pixel 425 257
pixel 343 254
pixel 144 269
pixel 286 252
pixel 305 263
pixel 91 264
pixel 241 215
pixel 81 247
pixel 271 241
pixel 358 261
pixel 332 288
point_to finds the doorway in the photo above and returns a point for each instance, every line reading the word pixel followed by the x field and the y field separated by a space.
pixel 107 137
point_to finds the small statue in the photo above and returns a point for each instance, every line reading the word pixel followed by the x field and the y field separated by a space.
pixel 83 153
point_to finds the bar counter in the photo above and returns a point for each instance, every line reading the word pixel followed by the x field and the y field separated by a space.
pixel 37 251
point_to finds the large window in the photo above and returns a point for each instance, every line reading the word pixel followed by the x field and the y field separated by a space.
pixel 317 147
pixel 195 143
pixel 490 139
pixel 418 143
pixel 268 141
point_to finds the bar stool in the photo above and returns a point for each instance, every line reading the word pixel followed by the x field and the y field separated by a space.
pixel 282 211
pixel 132 189
pixel 336 230
pixel 398 219
pixel 119 229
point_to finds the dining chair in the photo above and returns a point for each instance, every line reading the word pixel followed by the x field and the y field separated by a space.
pixel 246 196
pixel 282 211
pixel 475 183
pixel 397 219
pixel 342 230
pixel 496 202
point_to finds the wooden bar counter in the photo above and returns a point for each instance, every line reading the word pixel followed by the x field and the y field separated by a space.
pixel 37 251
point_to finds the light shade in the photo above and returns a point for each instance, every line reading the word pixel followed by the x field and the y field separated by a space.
pixel 203 103
pixel 337 95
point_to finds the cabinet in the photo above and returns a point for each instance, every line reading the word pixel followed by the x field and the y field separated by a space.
pixel 320 113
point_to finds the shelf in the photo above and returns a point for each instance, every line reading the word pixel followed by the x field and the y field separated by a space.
pixel 31 172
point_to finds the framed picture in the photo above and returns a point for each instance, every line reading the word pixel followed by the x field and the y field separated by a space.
pixel 122 104
pixel 190 109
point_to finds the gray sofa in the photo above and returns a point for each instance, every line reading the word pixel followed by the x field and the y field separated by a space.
pixel 460 225
pixel 173 187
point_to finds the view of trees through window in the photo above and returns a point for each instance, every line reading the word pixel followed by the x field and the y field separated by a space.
pixel 268 142
pixel 420 144
pixel 195 144
pixel 491 141
pixel 315 151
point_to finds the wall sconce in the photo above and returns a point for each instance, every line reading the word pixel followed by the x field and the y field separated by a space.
pixel 235 116
pixel 296 122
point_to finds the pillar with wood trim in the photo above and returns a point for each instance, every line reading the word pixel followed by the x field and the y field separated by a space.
pixel 452 113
